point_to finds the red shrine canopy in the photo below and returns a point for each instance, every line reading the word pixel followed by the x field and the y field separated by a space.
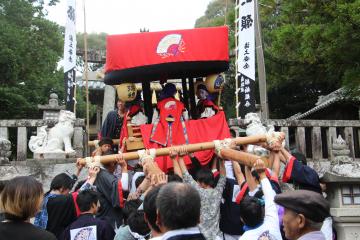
pixel 166 55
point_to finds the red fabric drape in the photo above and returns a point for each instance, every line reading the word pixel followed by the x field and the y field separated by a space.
pixel 124 131
pixel 142 49
pixel 203 130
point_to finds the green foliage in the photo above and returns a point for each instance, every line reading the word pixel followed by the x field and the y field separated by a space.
pixel 96 41
pixel 215 16
pixel 81 104
pixel 311 48
pixel 30 48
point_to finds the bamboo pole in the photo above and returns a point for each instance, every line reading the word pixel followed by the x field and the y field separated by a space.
pixel 95 142
pixel 239 156
pixel 190 149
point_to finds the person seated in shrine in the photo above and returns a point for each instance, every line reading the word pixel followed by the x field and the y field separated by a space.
pixel 169 127
pixel 205 107
pixel 136 112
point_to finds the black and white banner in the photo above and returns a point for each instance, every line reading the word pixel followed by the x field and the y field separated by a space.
pixel 70 54
pixel 246 57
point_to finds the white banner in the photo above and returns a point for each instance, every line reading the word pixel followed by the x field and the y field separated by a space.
pixel 70 37
pixel 246 44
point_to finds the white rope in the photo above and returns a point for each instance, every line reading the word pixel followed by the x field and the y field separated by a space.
pixel 272 137
pixel 143 155
pixel 222 144
pixel 96 143
pixel 93 161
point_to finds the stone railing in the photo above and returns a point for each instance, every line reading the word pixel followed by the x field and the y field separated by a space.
pixel 313 138
pixel 24 128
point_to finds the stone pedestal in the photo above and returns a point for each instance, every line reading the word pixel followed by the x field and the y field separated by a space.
pixel 343 193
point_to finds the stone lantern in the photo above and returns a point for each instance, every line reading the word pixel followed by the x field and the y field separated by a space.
pixel 343 191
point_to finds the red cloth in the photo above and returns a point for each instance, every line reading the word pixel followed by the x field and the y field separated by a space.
pixel 128 51
pixel 134 109
pixel 121 195
pixel 209 103
pixel 203 130
pixel 288 170
pixel 124 131
pixel 241 194
pixel 169 107
pixel 74 196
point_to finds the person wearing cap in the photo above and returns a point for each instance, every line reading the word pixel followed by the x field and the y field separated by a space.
pixel 105 146
pixel 304 214
pixel 205 107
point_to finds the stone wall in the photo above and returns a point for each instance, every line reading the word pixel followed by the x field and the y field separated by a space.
pixel 42 170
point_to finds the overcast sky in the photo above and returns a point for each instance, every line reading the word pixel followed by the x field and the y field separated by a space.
pixel 128 16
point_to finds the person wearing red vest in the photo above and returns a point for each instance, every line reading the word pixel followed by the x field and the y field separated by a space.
pixel 169 129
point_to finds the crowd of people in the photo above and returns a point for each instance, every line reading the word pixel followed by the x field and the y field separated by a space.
pixel 223 201
pixel 123 200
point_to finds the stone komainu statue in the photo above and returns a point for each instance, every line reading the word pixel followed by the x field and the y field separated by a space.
pixel 57 137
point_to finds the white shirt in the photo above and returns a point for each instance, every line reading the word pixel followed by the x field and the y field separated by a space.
pixel 184 231
pixel 156 238
pixel 270 228
pixel 316 235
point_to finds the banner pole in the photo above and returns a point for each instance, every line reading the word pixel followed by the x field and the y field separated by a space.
pixel 86 72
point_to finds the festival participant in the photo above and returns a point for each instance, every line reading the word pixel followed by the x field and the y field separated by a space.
pixel 260 224
pixel 230 223
pixel 168 129
pixel 137 228
pixel 304 177
pixel 297 172
pixel 150 212
pixel 113 123
pixel 210 195
pixel 58 208
pixel 2 185
pixel 136 112
pixel 205 107
pixel 304 214
pixel 178 212
pixel 111 190
pixel 88 202
pixel 105 147
pixel 21 200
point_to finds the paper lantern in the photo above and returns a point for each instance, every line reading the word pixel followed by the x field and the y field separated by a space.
pixel 214 82
pixel 126 92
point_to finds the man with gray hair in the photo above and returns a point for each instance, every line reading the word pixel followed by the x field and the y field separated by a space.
pixel 304 214
pixel 178 208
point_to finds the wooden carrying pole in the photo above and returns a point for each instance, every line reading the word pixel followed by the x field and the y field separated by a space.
pixel 239 156
pixel 95 142
pixel 190 149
